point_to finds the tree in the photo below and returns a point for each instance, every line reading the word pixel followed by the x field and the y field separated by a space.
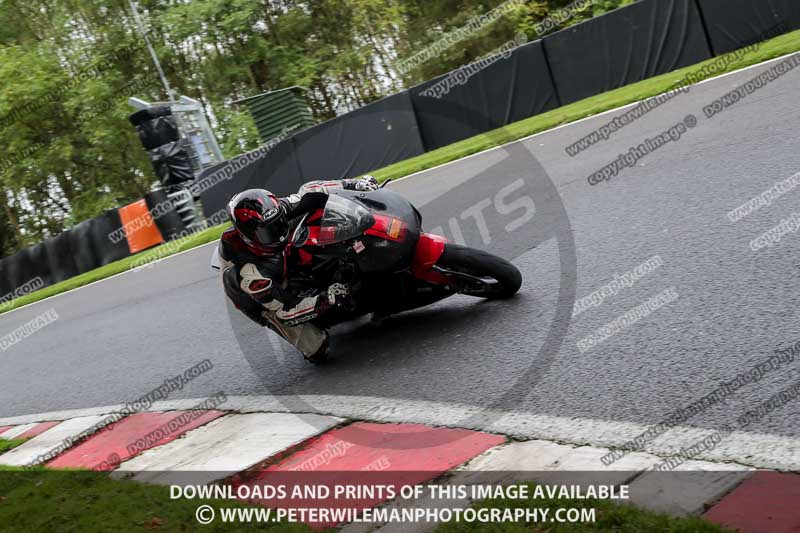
pixel 69 67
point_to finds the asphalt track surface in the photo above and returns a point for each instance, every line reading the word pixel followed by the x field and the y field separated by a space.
pixel 118 339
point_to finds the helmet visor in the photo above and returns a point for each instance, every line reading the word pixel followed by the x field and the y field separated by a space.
pixel 270 233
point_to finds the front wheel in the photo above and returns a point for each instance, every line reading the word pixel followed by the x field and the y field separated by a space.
pixel 478 273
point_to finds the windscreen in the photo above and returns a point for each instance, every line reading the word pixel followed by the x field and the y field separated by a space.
pixel 342 220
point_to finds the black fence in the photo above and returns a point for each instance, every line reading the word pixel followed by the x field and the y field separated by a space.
pixel 732 24
pixel 83 247
pixel 457 106
pixel 624 46
pixel 627 45
pixel 91 244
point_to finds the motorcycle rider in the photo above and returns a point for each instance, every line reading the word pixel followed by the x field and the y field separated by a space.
pixel 256 270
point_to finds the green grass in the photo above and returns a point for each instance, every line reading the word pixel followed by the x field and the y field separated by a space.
pixel 770 49
pixel 39 500
pixel 33 500
pixel 10 444
pixel 609 517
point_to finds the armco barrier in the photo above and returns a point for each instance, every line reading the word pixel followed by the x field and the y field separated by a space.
pixel 5 284
pixel 630 44
pixel 276 170
pixel 167 220
pixel 32 263
pixel 79 249
pixel 509 89
pixel 15 268
pixel 7 265
pixel 83 254
pixel 105 249
pixel 141 231
pixel 733 24
pixel 371 137
pixel 60 258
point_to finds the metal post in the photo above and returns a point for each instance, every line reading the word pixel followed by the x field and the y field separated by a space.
pixel 140 25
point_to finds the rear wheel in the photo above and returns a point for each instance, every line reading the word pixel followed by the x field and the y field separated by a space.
pixel 478 273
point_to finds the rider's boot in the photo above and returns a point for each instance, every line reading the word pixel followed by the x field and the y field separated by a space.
pixel 321 353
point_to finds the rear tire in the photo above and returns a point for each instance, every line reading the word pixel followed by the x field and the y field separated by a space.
pixel 481 264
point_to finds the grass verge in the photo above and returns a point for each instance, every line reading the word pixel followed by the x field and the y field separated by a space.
pixel 767 50
pixel 40 500
pixel 44 500
pixel 10 444
pixel 608 517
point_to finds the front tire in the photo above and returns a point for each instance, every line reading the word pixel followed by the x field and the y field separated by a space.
pixel 483 275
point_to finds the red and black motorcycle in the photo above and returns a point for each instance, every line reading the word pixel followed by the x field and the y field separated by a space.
pixel 374 241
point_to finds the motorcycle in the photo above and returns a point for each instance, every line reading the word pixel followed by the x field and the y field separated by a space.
pixel 374 241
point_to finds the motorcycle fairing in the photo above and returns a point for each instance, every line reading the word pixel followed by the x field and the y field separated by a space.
pixel 429 249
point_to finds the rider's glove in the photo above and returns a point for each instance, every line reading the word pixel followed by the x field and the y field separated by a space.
pixel 367 183
pixel 339 295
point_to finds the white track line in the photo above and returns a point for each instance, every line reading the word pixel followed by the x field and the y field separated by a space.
pixel 750 449
pixel 575 123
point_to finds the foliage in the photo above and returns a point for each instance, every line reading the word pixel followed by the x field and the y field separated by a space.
pixel 38 499
pixel 771 49
pixel 67 69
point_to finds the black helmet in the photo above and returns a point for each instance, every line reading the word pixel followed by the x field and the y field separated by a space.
pixel 259 218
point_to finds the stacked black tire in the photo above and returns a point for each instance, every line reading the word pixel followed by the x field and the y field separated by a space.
pixel 159 134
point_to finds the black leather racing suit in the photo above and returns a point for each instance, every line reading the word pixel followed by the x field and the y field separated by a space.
pixel 258 283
